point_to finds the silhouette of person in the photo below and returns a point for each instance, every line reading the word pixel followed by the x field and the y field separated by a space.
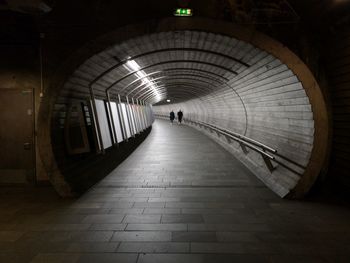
pixel 172 116
pixel 179 116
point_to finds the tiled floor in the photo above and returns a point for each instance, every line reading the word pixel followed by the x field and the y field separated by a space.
pixel 178 198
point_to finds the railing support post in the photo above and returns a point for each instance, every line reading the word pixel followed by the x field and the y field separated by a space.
pixel 244 149
pixel 228 139
pixel 268 163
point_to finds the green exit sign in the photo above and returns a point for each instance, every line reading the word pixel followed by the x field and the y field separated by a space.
pixel 183 12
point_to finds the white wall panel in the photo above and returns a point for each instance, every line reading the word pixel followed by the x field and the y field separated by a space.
pixel 116 120
pixel 132 119
pixel 126 122
pixel 103 122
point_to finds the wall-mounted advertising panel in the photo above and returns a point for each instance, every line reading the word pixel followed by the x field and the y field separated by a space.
pixel 126 121
pixel 103 123
pixel 116 120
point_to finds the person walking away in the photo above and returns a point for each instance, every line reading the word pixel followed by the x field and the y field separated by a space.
pixel 172 116
pixel 179 116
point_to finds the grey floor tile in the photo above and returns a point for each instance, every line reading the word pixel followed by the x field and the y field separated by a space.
pixel 207 211
pixel 149 204
pixel 10 236
pixel 106 227
pixel 93 236
pixel 67 227
pixel 128 211
pixel 183 200
pixel 154 247
pixel 133 219
pixel 56 258
pixel 15 257
pixel 230 227
pixel 218 248
pixel 118 204
pixel 201 258
pixel 104 219
pixel 182 219
pixel 194 237
pixel 108 258
pixel 157 227
pixel 92 247
pixel 162 211
pixel 142 236
pixel 170 258
pixel 303 259
pixel 239 237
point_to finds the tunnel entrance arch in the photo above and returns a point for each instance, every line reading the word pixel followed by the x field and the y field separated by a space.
pixel 317 154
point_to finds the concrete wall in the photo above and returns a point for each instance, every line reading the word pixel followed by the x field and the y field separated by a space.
pixel 339 71
pixel 20 69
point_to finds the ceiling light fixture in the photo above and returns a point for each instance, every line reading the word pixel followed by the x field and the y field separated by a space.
pixel 168 101
pixel 132 65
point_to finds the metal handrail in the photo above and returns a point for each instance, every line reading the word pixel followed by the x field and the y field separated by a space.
pixel 242 137
pixel 251 146
pixel 265 147
pixel 246 142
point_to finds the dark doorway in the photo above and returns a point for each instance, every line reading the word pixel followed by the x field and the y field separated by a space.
pixel 16 136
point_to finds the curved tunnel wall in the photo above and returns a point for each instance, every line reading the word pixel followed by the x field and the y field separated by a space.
pixel 235 78
pixel 82 156
pixel 267 103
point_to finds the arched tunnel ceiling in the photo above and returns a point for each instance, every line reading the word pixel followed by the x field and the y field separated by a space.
pixel 236 78
pixel 178 65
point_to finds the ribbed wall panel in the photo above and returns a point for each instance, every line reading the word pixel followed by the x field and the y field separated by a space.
pixel 267 103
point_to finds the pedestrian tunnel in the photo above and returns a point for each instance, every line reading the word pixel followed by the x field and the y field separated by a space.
pixel 243 89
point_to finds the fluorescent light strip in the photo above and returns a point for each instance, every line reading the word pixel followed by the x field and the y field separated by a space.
pixel 133 66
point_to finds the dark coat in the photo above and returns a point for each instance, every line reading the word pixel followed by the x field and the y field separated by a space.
pixel 172 115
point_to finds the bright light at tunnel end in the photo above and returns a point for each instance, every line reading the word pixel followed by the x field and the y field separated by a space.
pixel 133 66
